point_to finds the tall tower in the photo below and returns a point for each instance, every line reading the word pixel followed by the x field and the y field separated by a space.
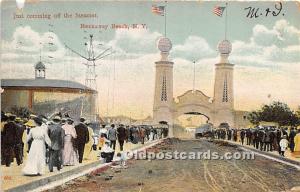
pixel 163 93
pixel 223 87
pixel 90 78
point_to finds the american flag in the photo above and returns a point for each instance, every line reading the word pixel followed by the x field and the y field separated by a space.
pixel 219 10
pixel 159 10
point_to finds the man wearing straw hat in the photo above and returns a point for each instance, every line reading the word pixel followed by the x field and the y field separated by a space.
pixel 56 135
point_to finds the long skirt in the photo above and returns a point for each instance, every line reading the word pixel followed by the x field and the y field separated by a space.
pixel 36 159
pixel 70 156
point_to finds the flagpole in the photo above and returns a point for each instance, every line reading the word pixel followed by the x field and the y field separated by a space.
pixel 226 21
pixel 165 18
pixel 194 77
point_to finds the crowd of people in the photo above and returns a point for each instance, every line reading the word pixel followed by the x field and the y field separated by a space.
pixel 264 138
pixel 134 134
pixel 59 141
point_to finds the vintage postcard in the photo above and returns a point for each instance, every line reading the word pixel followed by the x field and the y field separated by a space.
pixel 150 96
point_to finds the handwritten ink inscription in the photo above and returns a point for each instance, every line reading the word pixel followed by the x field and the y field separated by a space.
pixel 254 12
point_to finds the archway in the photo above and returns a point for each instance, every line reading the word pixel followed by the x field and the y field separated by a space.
pixel 192 109
pixel 193 103
pixel 199 114
pixel 187 123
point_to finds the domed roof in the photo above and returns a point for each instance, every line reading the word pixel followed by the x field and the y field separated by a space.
pixel 225 47
pixel 39 66
pixel 164 44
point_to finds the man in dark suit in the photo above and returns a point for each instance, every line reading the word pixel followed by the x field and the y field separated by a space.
pixel 272 137
pixel 9 139
pixel 248 136
pixel 82 137
pixel 229 134
pixel 56 135
pixel 278 138
pixel 256 138
pixel 4 120
pixel 261 136
pixel 267 140
pixel 18 149
pixel 291 139
pixel 243 133
pixel 121 133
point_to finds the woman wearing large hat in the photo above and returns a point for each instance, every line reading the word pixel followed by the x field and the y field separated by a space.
pixel 36 160
pixel 70 156
pixel 296 152
pixel 29 124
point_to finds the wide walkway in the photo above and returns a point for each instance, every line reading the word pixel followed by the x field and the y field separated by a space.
pixel 191 175
pixel 12 176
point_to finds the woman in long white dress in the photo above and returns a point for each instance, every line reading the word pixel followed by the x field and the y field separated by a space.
pixel 69 154
pixel 36 159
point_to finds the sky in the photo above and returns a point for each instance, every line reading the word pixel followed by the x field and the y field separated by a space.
pixel 266 50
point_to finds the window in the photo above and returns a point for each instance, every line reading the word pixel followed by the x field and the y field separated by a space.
pixel 225 90
pixel 164 89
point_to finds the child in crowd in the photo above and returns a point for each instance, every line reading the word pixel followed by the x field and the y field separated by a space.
pixel 283 145
pixel 120 161
pixel 107 153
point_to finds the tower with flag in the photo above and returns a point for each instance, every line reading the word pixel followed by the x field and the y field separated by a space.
pixel 163 93
pixel 223 85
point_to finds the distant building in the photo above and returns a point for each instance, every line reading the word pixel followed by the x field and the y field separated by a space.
pixel 121 119
pixel 46 96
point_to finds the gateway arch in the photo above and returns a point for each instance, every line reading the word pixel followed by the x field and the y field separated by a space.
pixel 219 108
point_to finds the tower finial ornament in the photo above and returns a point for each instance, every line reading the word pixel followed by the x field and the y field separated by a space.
pixel 224 48
pixel 164 45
